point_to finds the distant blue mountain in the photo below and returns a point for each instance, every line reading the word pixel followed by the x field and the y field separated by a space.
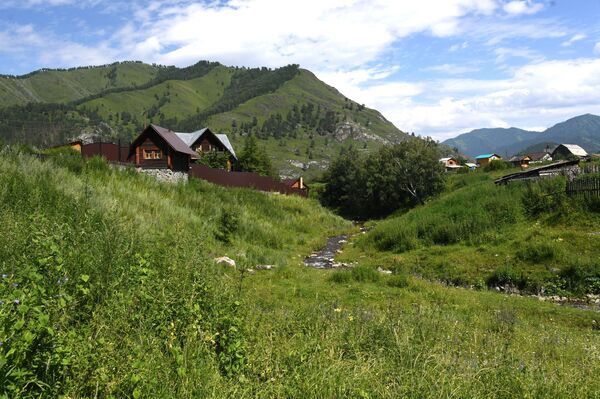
pixel 583 130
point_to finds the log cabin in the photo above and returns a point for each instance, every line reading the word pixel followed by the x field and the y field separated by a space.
pixel 160 148
pixel 204 140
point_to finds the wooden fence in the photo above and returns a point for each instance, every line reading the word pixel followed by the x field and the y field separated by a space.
pixel 110 151
pixel 588 187
pixel 244 180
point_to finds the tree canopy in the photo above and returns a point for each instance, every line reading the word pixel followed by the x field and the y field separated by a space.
pixel 254 158
pixel 396 177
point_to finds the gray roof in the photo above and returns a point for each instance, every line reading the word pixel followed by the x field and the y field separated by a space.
pixel 191 138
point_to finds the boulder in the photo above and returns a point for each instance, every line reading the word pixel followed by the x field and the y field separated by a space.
pixel 381 270
pixel 224 260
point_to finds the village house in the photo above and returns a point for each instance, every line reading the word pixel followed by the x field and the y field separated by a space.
pixel 484 159
pixel 160 148
pixel 567 151
pixel 539 157
pixel 520 161
pixel 204 140
pixel 450 163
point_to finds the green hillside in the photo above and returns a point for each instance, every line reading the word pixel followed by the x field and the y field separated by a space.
pixel 301 121
pixel 61 86
pixel 528 236
pixel 109 289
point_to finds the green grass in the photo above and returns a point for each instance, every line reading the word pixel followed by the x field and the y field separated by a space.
pixel 120 297
pixel 185 97
pixel 476 228
pixel 65 86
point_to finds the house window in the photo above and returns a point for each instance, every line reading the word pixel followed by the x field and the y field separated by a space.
pixel 152 154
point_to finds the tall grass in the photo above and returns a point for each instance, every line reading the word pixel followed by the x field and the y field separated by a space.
pixel 108 284
pixel 473 213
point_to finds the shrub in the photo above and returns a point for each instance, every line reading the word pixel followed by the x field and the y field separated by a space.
pixel 397 281
pixel 496 164
pixel 361 274
pixel 546 195
pixel 507 276
pixel 538 252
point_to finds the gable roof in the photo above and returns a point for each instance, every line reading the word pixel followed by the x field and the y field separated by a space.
pixel 191 138
pixel 574 149
pixel 173 140
pixel 536 156
pixel 485 156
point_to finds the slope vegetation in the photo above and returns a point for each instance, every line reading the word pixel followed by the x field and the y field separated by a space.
pixel 109 289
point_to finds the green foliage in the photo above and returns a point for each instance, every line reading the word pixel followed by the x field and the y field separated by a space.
pixel 109 287
pixel 507 276
pixel 468 215
pixel 227 226
pixel 496 164
pixel 537 252
pixel 545 195
pixel 360 274
pixel 395 177
pixel 254 158
pixel 214 159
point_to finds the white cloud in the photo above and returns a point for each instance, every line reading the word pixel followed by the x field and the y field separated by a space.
pixel 597 48
pixel 534 95
pixel 452 69
pixel 520 7
pixel 573 39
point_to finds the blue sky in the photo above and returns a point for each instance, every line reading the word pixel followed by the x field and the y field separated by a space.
pixel 435 67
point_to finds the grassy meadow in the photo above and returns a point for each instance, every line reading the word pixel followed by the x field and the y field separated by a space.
pixel 527 235
pixel 109 289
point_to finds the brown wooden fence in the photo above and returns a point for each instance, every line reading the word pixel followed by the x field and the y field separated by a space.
pixel 584 187
pixel 244 180
pixel 110 151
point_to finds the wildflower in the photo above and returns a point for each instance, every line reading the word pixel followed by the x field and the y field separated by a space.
pixel 17 302
pixel 350 318
pixel 337 310
pixel 5 276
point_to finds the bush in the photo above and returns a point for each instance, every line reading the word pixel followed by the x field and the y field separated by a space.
pixel 397 281
pixel 507 276
pixel 496 164
pixel 361 274
pixel 545 195
pixel 538 252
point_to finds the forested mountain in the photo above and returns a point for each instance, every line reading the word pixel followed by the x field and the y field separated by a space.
pixel 300 120
pixel 583 130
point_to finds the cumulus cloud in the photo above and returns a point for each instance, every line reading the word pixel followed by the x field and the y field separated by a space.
pixel 532 96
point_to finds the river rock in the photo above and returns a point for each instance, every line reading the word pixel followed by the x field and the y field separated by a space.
pixel 384 271
pixel 224 260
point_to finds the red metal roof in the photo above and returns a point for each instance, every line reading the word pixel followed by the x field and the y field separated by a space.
pixel 173 140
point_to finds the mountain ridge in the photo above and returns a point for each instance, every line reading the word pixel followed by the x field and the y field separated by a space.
pixel 583 130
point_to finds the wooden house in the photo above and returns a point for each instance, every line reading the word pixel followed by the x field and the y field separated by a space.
pixel 519 161
pixel 539 157
pixel 204 140
pixel 158 148
pixel 569 151
pixel 450 163
pixel 296 183
pixel 484 159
